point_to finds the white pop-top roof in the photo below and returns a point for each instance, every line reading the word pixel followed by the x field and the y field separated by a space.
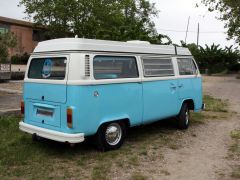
pixel 79 44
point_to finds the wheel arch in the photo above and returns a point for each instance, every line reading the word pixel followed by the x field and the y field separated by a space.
pixel 124 120
pixel 190 103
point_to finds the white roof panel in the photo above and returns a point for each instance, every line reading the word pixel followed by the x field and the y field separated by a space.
pixel 79 44
pixel 183 51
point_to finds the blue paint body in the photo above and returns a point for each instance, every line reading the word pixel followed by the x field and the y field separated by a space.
pixel 141 103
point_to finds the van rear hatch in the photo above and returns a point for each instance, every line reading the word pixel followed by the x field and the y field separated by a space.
pixel 45 92
pixel 45 89
pixel 46 79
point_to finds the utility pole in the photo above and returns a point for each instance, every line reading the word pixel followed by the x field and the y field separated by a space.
pixel 198 35
pixel 187 30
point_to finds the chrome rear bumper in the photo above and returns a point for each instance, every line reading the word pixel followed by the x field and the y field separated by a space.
pixel 50 134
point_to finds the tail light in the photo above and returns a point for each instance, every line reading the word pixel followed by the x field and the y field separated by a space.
pixel 22 107
pixel 69 117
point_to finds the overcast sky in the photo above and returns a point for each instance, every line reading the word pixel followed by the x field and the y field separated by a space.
pixel 172 20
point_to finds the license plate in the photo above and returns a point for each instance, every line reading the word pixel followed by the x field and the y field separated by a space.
pixel 44 112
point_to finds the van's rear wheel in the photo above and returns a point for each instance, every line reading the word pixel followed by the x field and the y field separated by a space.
pixel 111 136
pixel 183 117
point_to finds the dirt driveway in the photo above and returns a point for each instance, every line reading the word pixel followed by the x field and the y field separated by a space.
pixel 204 155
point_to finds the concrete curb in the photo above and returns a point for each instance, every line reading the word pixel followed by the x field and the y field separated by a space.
pixel 10 91
pixel 10 112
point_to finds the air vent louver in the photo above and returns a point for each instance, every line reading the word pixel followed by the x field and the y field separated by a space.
pixel 87 66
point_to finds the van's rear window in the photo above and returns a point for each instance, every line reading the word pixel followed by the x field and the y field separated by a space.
pixel 48 68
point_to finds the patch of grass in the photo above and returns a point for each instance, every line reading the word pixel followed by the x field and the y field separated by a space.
pixel 100 171
pixel 235 134
pixel 235 153
pixel 215 109
pixel 143 153
pixel 21 158
pixel 174 146
pixel 236 173
pixel 235 147
pixel 166 173
pixel 215 105
pixel 133 160
pixel 197 117
pixel 138 176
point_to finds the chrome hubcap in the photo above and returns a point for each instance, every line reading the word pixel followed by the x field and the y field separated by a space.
pixel 113 134
pixel 187 117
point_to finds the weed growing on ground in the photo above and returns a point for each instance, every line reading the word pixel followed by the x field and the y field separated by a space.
pixel 215 105
pixel 235 153
pixel 138 176
pixel 215 109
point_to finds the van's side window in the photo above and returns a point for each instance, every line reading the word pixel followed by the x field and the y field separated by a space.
pixel 158 67
pixel 114 67
pixel 186 66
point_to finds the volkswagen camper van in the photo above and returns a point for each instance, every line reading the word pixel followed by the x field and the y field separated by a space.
pixel 75 88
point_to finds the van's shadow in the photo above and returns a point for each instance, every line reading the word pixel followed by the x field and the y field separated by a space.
pixel 135 134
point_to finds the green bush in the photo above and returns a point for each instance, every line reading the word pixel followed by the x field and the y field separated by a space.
pixel 216 59
pixel 20 59
pixel 7 40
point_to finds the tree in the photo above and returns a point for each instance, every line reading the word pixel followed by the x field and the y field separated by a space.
pixel 232 57
pixel 7 40
pixel 229 13
pixel 101 19
pixel 214 58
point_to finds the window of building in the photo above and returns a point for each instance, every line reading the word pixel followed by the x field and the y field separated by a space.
pixel 186 66
pixel 158 67
pixel 114 67
pixel 47 68
pixel 3 29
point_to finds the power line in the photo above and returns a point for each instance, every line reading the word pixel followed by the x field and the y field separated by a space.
pixel 184 31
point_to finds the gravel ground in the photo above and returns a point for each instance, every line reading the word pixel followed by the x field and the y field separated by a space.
pixel 204 156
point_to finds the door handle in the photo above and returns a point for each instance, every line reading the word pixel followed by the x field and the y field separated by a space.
pixel 173 86
pixel 180 86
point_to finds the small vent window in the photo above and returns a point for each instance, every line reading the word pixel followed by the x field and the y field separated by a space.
pixel 186 66
pixel 158 67
pixel 87 66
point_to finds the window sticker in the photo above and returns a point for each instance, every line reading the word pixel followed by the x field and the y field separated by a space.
pixel 47 67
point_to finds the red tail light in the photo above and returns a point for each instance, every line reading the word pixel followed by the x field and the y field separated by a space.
pixel 22 107
pixel 69 117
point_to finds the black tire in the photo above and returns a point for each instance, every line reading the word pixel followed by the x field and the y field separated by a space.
pixel 183 117
pixel 105 143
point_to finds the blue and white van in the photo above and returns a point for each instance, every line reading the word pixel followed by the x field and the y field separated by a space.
pixel 75 88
